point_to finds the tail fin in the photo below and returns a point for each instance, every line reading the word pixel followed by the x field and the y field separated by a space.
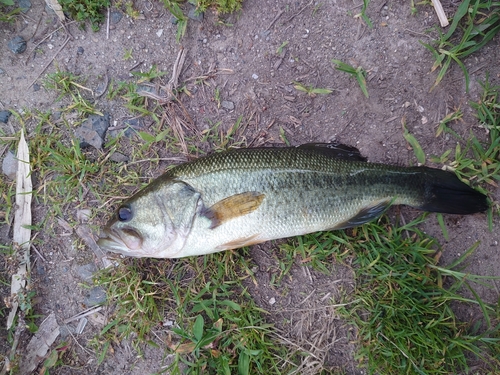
pixel 445 193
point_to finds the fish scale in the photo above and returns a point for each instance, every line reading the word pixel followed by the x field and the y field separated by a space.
pixel 241 197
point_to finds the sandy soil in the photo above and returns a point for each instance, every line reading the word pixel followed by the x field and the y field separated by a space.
pixel 258 84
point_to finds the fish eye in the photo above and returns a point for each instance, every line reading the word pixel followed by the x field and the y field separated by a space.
pixel 125 213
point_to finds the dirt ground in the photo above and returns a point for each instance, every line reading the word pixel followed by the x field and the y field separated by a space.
pixel 258 84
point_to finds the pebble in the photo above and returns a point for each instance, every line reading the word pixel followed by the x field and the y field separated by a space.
pixel 36 87
pixel 24 5
pixel 272 301
pixel 86 271
pixel 194 15
pixel 17 44
pixel 118 157
pixel 227 105
pixel 255 76
pixel 80 51
pixel 93 131
pixel 159 33
pixel 4 116
pixel 131 124
pixel 96 296
pixel 115 17
pixel 9 165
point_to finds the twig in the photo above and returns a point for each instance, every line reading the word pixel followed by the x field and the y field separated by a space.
pixel 84 313
pixel 38 253
pixel 440 13
pixel 300 11
pixel 107 26
pixel 275 19
pixel 50 61
pixel 48 36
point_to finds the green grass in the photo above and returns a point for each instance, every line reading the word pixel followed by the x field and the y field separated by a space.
pixel 359 73
pixel 86 10
pixel 479 22
pixel 477 161
pixel 217 328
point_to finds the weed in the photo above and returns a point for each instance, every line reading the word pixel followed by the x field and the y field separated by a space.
pixel 10 15
pixel 279 50
pixel 82 10
pixel 127 55
pixel 359 73
pixel 216 326
pixel 181 19
pixel 221 6
pixel 363 14
pixel 479 28
pixel 311 90
pixel 450 117
pixel 400 308
pixel 475 161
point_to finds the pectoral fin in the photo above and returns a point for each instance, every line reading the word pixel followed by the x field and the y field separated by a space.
pixel 233 206
pixel 365 215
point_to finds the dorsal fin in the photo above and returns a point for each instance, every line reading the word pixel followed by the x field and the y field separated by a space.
pixel 335 150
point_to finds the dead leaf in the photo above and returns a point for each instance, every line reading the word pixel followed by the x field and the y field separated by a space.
pixel 40 344
pixel 22 224
pixel 56 7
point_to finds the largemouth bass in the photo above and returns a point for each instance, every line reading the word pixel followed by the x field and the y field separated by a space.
pixel 247 196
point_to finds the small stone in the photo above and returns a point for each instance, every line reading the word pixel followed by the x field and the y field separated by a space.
pixel 227 105
pixel 80 51
pixel 24 5
pixel 9 165
pixel 131 125
pixel 36 87
pixel 86 271
pixel 66 331
pixel 118 157
pixel 93 131
pixel 194 15
pixel 17 44
pixel 272 301
pixel 255 76
pixel 159 33
pixel 115 17
pixel 174 20
pixel 4 116
pixel 96 296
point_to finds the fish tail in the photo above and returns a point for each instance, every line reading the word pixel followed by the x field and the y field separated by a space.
pixel 445 193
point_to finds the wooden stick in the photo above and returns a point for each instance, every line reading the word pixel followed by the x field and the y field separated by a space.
pixel 440 13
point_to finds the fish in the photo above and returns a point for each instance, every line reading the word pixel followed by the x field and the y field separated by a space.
pixel 243 197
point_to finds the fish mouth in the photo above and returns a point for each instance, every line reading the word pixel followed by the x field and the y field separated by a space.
pixel 126 241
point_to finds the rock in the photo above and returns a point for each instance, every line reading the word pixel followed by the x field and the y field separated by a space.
pixel 131 124
pixel 17 44
pixel 93 131
pixel 96 296
pixel 227 105
pixel 118 157
pixel 194 15
pixel 86 271
pixel 115 17
pixel 36 87
pixel 9 165
pixel 4 116
pixel 24 5
pixel 80 51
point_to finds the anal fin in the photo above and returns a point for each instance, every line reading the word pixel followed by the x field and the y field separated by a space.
pixel 233 206
pixel 365 215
